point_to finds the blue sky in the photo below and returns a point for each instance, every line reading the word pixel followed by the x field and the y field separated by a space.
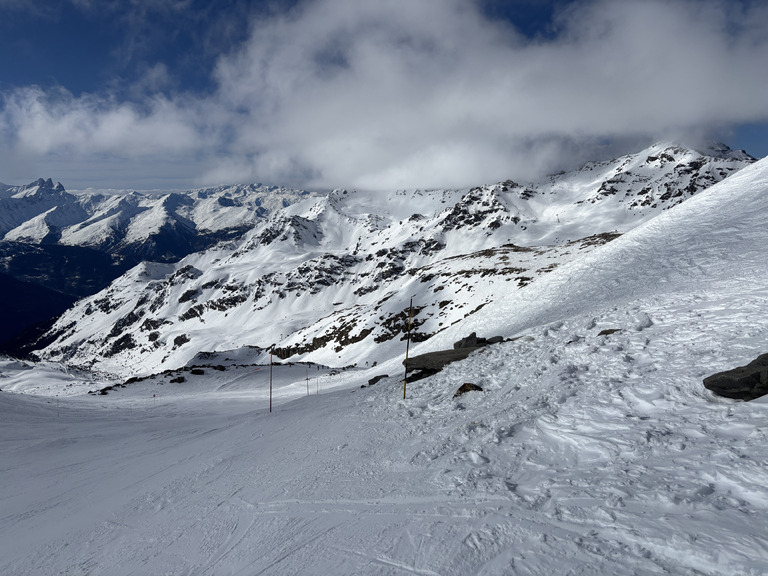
pixel 349 93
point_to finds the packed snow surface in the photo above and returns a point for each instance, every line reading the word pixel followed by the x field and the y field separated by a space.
pixel 592 449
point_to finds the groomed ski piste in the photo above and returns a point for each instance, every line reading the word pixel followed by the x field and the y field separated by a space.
pixel 585 453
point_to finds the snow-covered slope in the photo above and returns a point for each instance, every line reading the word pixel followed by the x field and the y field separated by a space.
pixel 711 239
pixel 592 449
pixel 329 279
pixel 644 184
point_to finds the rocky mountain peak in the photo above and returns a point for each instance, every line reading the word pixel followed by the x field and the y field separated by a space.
pixel 42 186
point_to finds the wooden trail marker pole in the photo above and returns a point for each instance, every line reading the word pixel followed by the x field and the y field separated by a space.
pixel 270 378
pixel 407 346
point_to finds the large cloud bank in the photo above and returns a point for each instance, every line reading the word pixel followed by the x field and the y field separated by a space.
pixel 416 93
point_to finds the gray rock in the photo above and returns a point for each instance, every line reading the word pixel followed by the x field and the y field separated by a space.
pixel 436 361
pixel 376 379
pixel 742 383
pixel 608 331
pixel 432 362
pixel 471 341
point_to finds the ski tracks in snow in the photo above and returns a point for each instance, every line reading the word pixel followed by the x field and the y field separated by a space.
pixel 601 426
pixel 594 448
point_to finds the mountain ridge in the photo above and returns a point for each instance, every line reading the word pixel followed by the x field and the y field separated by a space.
pixel 326 278
pixel 42 226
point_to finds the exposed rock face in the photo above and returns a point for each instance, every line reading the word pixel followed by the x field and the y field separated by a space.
pixel 742 383
pixel 470 341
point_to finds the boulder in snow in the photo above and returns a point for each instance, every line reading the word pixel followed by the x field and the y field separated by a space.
pixel 433 362
pixel 472 341
pixel 467 387
pixel 376 379
pixel 608 331
pixel 742 383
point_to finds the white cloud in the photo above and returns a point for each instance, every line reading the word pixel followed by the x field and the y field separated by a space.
pixel 429 93
pixel 44 123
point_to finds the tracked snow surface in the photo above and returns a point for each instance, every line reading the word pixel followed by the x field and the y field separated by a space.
pixel 592 449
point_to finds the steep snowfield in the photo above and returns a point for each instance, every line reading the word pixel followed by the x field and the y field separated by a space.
pixel 18 204
pixel 644 184
pixel 586 453
pixel 714 242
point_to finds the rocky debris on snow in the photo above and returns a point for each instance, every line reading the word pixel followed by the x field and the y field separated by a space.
pixel 472 341
pixel 481 207
pixel 104 391
pixel 467 387
pixel 431 363
pixel 376 379
pixel 742 383
pixel 608 331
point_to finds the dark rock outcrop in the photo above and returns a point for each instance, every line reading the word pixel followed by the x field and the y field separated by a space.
pixel 608 331
pixel 376 379
pixel 431 363
pixel 436 361
pixel 742 383
pixel 472 341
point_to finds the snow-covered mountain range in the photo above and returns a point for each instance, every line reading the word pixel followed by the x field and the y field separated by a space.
pixel 70 245
pixel 151 226
pixel 329 278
